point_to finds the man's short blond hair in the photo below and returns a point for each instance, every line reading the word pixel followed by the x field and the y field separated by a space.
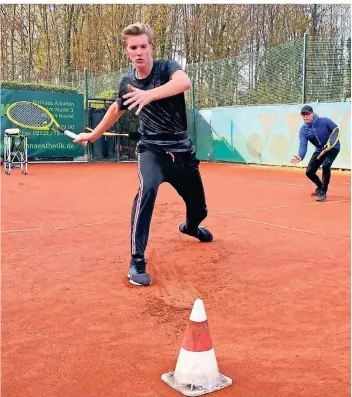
pixel 136 29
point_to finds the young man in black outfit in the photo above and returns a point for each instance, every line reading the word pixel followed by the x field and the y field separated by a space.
pixel 165 153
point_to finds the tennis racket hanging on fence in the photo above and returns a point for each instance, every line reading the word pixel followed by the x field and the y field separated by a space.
pixel 332 141
pixel 32 116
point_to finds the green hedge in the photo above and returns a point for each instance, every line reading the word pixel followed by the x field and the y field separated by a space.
pixel 109 94
pixel 14 85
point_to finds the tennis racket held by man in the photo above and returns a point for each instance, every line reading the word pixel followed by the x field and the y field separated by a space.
pixel 332 141
pixel 108 133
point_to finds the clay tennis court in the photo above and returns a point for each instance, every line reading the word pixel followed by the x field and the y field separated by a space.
pixel 275 283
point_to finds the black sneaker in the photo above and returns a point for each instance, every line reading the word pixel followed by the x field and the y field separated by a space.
pixel 316 192
pixel 321 196
pixel 137 273
pixel 202 233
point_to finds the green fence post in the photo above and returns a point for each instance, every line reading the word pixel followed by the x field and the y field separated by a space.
pixel 118 144
pixel 304 68
pixel 86 94
pixel 193 113
pixel 86 109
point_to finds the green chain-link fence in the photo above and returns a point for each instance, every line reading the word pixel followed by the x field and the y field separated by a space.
pixel 269 76
pixel 328 70
pixel 310 69
pixel 275 75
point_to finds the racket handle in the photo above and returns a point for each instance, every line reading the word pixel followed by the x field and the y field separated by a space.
pixel 70 134
pixel 67 132
pixel 321 154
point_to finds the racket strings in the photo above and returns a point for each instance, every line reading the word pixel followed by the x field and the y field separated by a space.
pixel 30 115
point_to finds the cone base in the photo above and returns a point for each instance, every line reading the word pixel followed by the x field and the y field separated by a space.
pixel 193 390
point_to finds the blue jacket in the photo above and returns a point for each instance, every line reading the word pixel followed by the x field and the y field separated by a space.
pixel 317 132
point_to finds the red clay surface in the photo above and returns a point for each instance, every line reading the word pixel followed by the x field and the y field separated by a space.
pixel 275 283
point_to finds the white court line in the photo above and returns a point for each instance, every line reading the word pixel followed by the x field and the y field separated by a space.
pixel 222 213
pixel 62 227
pixel 281 206
pixel 273 182
pixel 263 167
pixel 21 230
pixel 273 168
pixel 283 227
pixel 335 182
pixel 87 224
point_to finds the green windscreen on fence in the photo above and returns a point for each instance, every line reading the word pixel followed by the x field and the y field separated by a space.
pixel 68 111
pixel 265 134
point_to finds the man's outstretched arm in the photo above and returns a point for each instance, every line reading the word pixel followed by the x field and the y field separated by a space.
pixel 111 116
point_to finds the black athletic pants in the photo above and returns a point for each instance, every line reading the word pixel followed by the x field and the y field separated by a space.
pixel 180 169
pixel 325 161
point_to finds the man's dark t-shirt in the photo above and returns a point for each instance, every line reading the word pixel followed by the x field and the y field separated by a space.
pixel 163 117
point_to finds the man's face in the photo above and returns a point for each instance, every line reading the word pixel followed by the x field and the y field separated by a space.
pixel 139 50
pixel 307 117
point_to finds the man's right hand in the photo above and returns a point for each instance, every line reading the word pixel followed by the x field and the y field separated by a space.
pixel 296 159
pixel 83 138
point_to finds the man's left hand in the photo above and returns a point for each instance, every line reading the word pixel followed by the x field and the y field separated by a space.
pixel 137 97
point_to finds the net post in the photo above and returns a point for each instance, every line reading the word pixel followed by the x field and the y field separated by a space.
pixel 304 68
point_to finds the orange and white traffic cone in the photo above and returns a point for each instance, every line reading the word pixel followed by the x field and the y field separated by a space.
pixel 196 371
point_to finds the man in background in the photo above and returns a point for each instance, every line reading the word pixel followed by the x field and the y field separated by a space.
pixel 317 130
